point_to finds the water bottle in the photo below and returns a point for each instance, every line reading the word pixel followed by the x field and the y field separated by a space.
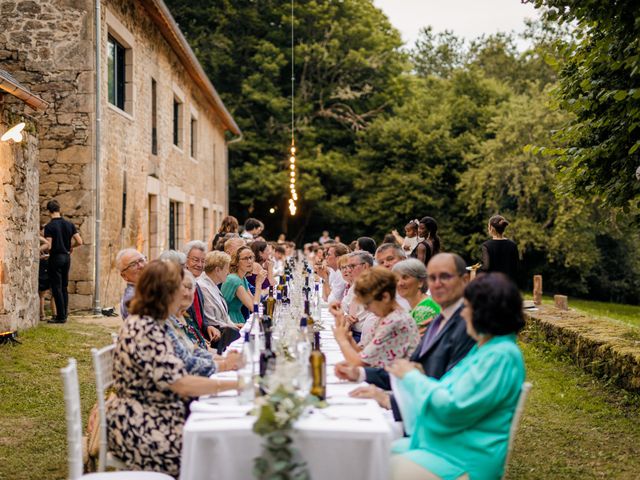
pixel 246 373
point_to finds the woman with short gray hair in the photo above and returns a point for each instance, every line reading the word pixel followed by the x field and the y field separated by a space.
pixel 412 285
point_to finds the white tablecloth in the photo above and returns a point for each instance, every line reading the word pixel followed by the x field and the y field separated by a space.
pixel 348 440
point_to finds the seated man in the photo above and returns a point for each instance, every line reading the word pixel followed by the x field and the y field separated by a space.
pixel 356 314
pixel 130 263
pixel 252 229
pixel 442 346
pixel 334 286
pixel 195 251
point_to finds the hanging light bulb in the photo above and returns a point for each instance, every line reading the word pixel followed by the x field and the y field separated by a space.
pixel 14 133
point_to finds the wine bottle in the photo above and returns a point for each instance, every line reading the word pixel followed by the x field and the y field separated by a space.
pixel 310 321
pixel 270 303
pixel 267 355
pixel 318 369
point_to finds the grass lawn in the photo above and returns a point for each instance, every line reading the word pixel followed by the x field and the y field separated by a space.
pixel 574 426
pixel 629 314
pixel 33 442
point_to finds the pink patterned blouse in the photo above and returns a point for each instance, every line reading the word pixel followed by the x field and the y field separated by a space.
pixel 391 337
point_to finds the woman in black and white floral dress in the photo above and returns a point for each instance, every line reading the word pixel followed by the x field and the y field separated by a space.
pixel 146 418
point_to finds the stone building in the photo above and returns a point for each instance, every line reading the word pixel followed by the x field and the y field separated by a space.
pixel 18 207
pixel 159 135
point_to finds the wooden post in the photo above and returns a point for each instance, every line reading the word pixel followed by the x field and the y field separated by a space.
pixel 561 301
pixel 537 289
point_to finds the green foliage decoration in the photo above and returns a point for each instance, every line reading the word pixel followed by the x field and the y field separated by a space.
pixel 277 412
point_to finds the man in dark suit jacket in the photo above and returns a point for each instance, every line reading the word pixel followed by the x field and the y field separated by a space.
pixel 444 343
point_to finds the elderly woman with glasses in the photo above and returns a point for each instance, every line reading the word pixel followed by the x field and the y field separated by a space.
pixel 189 344
pixel 412 286
pixel 235 288
pixel 394 333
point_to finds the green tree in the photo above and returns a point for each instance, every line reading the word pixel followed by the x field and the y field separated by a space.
pixel 348 71
pixel 567 240
pixel 599 85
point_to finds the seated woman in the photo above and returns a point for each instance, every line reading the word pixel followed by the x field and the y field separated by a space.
pixel 146 418
pixel 412 286
pixel 188 342
pixel 216 270
pixel 235 288
pixel 394 334
pixel 262 251
pixel 462 421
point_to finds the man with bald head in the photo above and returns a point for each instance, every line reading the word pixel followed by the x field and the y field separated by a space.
pixel 130 264
pixel 445 342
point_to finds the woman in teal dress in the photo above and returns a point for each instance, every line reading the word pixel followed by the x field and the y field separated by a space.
pixel 235 288
pixel 459 425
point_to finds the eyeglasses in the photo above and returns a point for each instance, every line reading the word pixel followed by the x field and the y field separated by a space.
pixel 197 261
pixel 351 266
pixel 142 261
pixel 443 277
pixel 243 259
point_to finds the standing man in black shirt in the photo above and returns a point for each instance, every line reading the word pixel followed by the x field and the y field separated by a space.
pixel 62 236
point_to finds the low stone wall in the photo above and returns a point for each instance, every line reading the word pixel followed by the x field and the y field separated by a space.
pixel 605 348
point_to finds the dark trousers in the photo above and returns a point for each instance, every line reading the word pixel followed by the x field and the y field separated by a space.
pixel 228 335
pixel 59 264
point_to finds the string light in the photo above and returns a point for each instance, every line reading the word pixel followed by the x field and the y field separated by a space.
pixel 292 150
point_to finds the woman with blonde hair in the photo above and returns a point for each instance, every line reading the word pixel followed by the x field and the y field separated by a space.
pixel 235 288
pixel 394 334
pixel 216 270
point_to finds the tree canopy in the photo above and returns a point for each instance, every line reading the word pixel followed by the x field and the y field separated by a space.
pixel 452 129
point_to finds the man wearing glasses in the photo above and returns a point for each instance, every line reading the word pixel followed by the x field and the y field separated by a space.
pixel 355 313
pixel 130 263
pixel 443 345
pixel 196 252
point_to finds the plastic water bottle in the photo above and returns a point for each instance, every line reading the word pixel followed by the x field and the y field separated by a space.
pixel 246 373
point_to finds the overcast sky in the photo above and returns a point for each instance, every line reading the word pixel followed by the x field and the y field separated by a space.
pixel 467 18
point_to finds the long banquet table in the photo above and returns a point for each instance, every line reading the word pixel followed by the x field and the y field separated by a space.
pixel 350 439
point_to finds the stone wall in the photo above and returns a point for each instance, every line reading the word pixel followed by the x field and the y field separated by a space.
pixel 605 348
pixel 47 46
pixel 172 174
pixel 18 220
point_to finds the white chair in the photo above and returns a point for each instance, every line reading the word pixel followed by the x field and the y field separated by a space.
pixel 74 434
pixel 103 367
pixel 517 415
